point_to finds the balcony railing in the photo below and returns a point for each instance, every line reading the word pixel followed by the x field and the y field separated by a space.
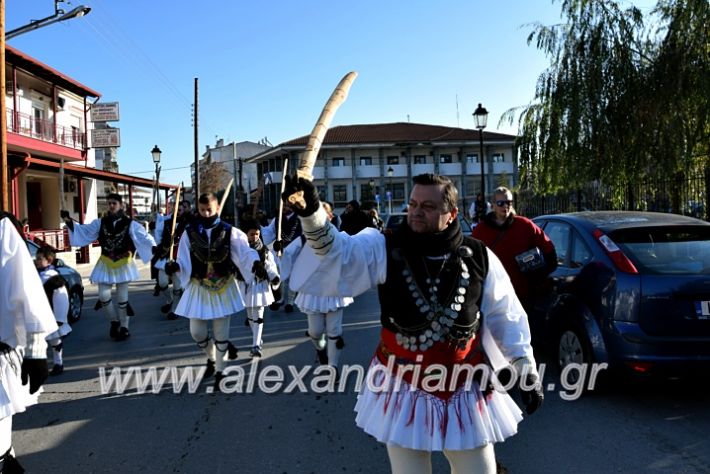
pixel 45 130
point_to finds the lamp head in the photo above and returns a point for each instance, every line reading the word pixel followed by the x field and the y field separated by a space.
pixel 156 154
pixel 480 115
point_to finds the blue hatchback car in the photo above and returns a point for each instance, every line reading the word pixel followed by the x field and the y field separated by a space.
pixel 632 289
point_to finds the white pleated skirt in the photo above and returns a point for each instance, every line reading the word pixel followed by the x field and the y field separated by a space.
pixel 14 397
pixel 415 419
pixel 198 302
pixel 257 294
pixel 321 304
pixel 109 274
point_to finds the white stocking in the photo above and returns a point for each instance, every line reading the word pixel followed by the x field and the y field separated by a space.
pixel 105 299
pixel 479 460
pixel 409 461
pixel 316 329
pixel 122 303
pixel 334 331
pixel 177 291
pixel 198 331
pixel 220 332
pixel 163 282
pixel 257 328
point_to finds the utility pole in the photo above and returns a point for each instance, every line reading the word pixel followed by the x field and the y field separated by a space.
pixel 197 150
pixel 4 205
pixel 239 185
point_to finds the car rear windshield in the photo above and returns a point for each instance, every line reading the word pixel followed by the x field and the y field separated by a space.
pixel 666 250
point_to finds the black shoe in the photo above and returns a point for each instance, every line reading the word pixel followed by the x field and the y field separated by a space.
pixel 322 356
pixel 57 369
pixel 288 308
pixel 123 334
pixel 113 332
pixel 209 371
pixel 166 308
pixel 232 352
pixel 274 306
pixel 172 316
pixel 156 290
pixel 255 351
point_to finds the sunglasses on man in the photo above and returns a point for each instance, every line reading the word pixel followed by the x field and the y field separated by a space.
pixel 503 202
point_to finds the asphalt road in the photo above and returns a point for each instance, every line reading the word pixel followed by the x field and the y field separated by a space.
pixel 629 427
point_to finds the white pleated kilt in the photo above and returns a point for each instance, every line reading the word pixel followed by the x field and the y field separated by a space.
pixel 321 304
pixel 198 302
pixel 103 273
pixel 419 420
pixel 256 295
pixel 14 397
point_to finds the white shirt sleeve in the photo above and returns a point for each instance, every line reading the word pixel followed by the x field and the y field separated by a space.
pixel 268 233
pixel 159 227
pixel 84 234
pixel 23 314
pixel 60 304
pixel 272 270
pixel 503 317
pixel 183 259
pixel 142 240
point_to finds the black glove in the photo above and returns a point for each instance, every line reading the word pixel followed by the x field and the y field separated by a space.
pixel 259 270
pixel 172 267
pixel 275 281
pixel 64 214
pixel 310 195
pixel 67 220
pixel 278 245
pixel 531 394
pixel 36 371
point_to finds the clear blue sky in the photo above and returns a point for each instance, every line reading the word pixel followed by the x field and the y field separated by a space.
pixel 266 68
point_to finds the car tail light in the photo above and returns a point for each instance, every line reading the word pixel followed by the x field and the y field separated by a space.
pixel 640 367
pixel 621 261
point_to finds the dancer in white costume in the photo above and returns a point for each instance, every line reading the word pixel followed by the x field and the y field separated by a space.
pixel 120 238
pixel 25 322
pixel 208 254
pixel 164 238
pixel 325 313
pixel 446 302
pixel 257 293
pixel 55 287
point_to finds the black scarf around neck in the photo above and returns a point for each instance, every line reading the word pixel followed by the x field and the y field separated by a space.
pixel 430 244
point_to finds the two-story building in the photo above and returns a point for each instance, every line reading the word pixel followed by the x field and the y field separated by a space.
pixel 50 163
pixel 376 162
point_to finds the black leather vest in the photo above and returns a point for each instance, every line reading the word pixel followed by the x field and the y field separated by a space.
pixel 403 313
pixel 115 240
pixel 213 256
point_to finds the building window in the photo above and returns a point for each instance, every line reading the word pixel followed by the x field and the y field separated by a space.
pixel 393 160
pixel 340 195
pixel 472 158
pixel 365 161
pixel 419 159
pixel 445 159
pixel 498 158
pixel 322 193
pixel 338 162
pixel 367 193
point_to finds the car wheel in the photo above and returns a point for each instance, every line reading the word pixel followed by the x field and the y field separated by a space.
pixel 572 348
pixel 76 301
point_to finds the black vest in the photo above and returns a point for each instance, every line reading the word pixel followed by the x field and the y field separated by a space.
pixel 115 240
pixel 290 229
pixel 399 309
pixel 53 283
pixel 164 244
pixel 215 255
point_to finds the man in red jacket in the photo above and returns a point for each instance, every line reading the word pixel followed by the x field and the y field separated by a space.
pixel 509 235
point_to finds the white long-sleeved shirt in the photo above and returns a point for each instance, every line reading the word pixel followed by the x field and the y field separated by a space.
pixel 85 234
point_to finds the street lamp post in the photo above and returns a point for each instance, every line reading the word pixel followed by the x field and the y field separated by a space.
pixel 480 115
pixel 390 172
pixel 156 159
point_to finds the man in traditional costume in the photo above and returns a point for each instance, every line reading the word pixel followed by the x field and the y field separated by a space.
pixel 120 238
pixel 209 254
pixel 55 287
pixel 290 232
pixel 25 322
pixel 257 293
pixel 165 240
pixel 446 302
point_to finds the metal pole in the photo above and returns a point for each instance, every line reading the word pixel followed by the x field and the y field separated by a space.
pixel 483 166
pixel 197 151
pixel 391 196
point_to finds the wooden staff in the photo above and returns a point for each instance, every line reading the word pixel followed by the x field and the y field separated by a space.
pixel 172 231
pixel 224 196
pixel 308 160
pixel 281 204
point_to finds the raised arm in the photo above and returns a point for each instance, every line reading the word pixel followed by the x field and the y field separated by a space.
pixel 142 240
pixel 83 234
